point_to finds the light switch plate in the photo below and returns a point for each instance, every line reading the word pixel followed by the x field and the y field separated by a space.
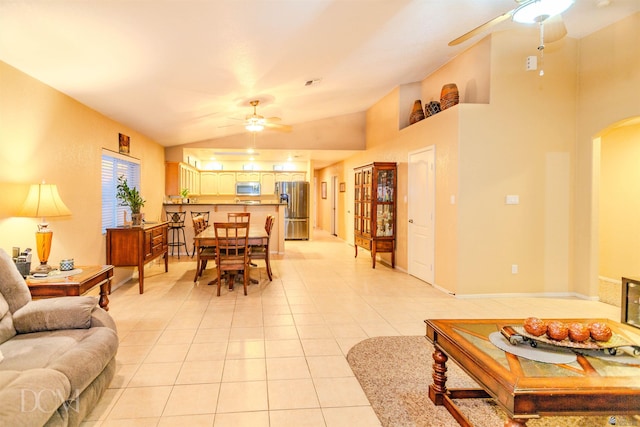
pixel 512 199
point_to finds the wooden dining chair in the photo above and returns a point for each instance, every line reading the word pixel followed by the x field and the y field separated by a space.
pixel 232 251
pixel 239 217
pixel 262 251
pixel 203 218
pixel 206 253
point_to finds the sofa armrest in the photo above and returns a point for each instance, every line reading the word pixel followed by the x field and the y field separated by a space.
pixel 55 313
pixel 100 318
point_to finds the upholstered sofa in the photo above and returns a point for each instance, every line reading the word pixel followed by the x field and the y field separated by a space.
pixel 57 355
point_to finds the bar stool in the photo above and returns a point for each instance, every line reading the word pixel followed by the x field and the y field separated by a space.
pixel 205 216
pixel 176 225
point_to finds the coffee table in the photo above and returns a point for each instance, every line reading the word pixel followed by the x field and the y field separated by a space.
pixel 76 284
pixel 524 388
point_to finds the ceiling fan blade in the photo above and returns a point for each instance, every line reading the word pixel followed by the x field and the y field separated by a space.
pixel 277 126
pixel 554 29
pixel 228 125
pixel 481 28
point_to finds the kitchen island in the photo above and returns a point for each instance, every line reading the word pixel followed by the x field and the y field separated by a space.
pixel 218 213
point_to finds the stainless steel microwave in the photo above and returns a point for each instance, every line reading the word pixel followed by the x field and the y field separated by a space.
pixel 247 188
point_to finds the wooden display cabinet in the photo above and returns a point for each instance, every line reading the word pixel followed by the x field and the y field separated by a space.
pixel 375 209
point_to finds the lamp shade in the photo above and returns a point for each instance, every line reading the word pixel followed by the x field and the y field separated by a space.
pixel 42 201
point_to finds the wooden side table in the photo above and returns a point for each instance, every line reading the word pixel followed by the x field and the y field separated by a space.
pixel 75 285
pixel 136 246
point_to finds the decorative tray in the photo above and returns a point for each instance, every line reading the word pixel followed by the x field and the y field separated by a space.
pixel 517 334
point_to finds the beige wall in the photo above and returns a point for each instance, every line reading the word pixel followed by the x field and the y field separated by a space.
pixel 534 140
pixel 48 135
pixel 609 81
pixel 619 205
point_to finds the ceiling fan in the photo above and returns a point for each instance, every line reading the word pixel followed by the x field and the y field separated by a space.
pixel 256 123
pixel 546 13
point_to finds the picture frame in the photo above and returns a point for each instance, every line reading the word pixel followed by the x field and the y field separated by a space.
pixel 342 187
pixel 323 189
pixel 124 146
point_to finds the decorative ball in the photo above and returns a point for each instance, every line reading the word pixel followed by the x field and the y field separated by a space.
pixel 432 108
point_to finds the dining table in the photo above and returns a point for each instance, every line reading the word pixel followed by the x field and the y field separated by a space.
pixel 207 238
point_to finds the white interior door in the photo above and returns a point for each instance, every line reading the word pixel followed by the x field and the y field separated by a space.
pixel 421 210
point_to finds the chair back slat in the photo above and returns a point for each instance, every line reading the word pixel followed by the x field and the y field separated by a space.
pixel 239 216
pixel 231 239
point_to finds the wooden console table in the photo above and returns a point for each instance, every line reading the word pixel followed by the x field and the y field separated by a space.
pixel 137 246
pixel 78 284
pixel 524 388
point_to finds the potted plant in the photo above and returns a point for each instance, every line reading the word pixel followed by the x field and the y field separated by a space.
pixel 130 196
pixel 185 195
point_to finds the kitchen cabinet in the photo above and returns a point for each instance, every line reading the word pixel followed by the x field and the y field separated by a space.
pixel 226 183
pixel 248 176
pixel 290 176
pixel 217 183
pixel 375 209
pixel 180 175
pixel 208 183
pixel 267 183
pixel 190 178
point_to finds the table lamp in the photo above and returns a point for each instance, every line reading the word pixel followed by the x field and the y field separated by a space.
pixel 43 201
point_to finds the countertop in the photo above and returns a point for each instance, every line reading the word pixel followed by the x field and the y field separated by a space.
pixel 225 204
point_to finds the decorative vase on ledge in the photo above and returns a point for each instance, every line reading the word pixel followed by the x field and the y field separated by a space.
pixel 449 96
pixel 432 108
pixel 417 113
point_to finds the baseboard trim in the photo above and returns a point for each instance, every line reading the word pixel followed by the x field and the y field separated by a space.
pixel 529 295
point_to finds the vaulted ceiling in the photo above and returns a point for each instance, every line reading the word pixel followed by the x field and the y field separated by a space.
pixel 184 71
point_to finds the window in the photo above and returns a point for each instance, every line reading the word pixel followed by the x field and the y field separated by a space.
pixel 114 166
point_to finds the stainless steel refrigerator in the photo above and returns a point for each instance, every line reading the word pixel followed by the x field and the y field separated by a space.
pixel 296 216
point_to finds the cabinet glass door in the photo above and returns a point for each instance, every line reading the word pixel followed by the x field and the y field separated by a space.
pixel 384 220
pixel 385 186
pixel 366 218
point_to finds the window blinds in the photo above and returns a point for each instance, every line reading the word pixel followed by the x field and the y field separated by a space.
pixel 114 166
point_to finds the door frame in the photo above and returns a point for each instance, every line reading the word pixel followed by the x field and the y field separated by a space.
pixel 334 205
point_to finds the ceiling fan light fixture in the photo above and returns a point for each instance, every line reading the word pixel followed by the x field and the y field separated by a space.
pixel 255 125
pixel 536 11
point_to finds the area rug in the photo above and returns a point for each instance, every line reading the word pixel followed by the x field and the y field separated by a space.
pixel 395 373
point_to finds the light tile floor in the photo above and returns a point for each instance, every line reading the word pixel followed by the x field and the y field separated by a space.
pixel 277 356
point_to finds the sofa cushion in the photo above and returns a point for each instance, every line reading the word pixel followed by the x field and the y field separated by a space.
pixel 54 313
pixel 79 354
pixel 6 322
pixel 30 398
pixel 12 285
